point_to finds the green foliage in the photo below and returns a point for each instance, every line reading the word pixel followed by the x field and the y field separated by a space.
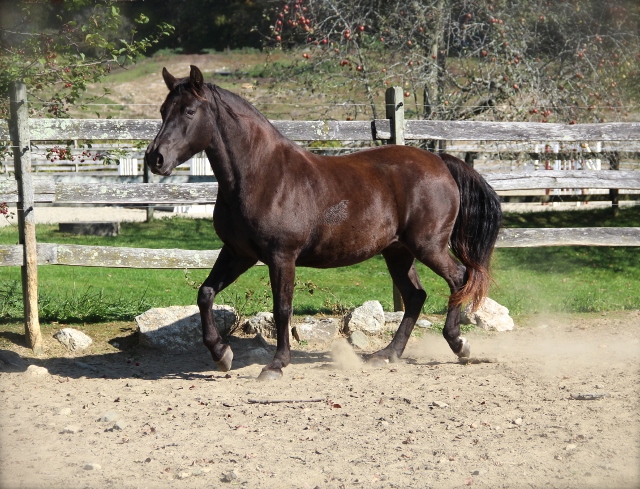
pixel 497 60
pixel 527 280
pixel 59 48
pixel 204 25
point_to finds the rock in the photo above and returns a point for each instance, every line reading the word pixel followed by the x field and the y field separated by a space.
pixel 260 342
pixel 108 417
pixel 359 340
pixel 119 425
pixel 393 318
pixel 262 323
pixel 517 421
pixel 479 472
pixel 255 356
pixel 184 475
pixel 490 316
pixel 314 330
pixel 72 339
pixel 439 404
pixel 72 429
pixel 423 323
pixel 178 328
pixel 64 411
pixel 229 476
pixel 35 371
pixel 92 466
pixel 570 447
pixel 368 318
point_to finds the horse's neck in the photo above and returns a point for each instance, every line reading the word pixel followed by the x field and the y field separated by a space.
pixel 240 148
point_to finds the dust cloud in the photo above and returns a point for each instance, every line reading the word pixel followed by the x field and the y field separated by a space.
pixel 344 358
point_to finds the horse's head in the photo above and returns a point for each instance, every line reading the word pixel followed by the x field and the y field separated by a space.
pixel 187 123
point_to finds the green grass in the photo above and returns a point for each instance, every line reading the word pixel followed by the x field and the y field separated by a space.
pixel 527 280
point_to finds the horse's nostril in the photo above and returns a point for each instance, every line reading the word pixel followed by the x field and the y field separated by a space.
pixel 159 161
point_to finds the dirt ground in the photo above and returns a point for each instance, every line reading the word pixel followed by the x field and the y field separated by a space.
pixel 149 419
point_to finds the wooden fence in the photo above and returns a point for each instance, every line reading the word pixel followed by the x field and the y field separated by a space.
pixel 27 191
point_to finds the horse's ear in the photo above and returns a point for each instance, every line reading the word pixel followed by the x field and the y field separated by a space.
pixel 196 78
pixel 169 79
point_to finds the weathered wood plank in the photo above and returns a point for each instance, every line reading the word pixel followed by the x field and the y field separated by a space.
pixel 543 179
pixel 136 193
pixel 146 129
pixel 529 237
pixel 569 149
pixel 115 257
pixel 519 131
pixel 46 190
pixel 109 256
pixel 326 130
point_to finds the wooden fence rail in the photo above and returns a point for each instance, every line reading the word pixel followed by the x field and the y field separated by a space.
pixel 27 190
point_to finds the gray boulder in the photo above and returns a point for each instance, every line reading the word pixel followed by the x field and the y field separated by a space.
pixel 262 323
pixel 359 340
pixel 393 319
pixel 178 328
pixel 490 316
pixel 368 318
pixel 423 323
pixel 314 330
pixel 72 339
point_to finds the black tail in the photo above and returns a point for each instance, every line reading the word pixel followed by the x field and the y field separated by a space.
pixel 475 231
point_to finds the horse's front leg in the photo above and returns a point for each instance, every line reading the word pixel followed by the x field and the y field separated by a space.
pixel 282 274
pixel 225 271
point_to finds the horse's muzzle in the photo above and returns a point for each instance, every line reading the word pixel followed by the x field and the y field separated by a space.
pixel 155 161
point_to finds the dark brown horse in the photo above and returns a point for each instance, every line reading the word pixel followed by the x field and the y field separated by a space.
pixel 286 207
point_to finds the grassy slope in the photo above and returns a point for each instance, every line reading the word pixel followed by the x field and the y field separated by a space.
pixel 527 280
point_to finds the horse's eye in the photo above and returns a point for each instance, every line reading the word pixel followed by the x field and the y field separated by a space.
pixel 190 112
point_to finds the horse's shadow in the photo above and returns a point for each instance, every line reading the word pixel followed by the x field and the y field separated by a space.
pixel 131 361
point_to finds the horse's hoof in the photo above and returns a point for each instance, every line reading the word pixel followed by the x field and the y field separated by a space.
pixel 266 375
pixel 224 364
pixel 465 351
pixel 377 362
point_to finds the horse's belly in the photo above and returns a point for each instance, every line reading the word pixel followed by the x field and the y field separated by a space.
pixel 340 251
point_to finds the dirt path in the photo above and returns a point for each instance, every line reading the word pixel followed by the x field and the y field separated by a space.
pixel 426 422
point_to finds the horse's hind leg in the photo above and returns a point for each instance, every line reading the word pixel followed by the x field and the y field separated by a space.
pixel 454 274
pixel 400 263
pixel 225 271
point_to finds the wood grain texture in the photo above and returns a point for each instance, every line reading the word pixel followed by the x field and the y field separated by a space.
pixel 542 179
pixel 530 237
pixel 116 257
pixel 521 131
pixel 146 129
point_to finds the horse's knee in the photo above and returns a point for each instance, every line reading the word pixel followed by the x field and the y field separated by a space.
pixel 205 297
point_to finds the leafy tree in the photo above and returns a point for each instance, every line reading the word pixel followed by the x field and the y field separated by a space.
pixel 556 61
pixel 58 47
pixel 208 24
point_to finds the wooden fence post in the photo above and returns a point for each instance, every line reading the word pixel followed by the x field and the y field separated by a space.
pixel 20 140
pixel 394 100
